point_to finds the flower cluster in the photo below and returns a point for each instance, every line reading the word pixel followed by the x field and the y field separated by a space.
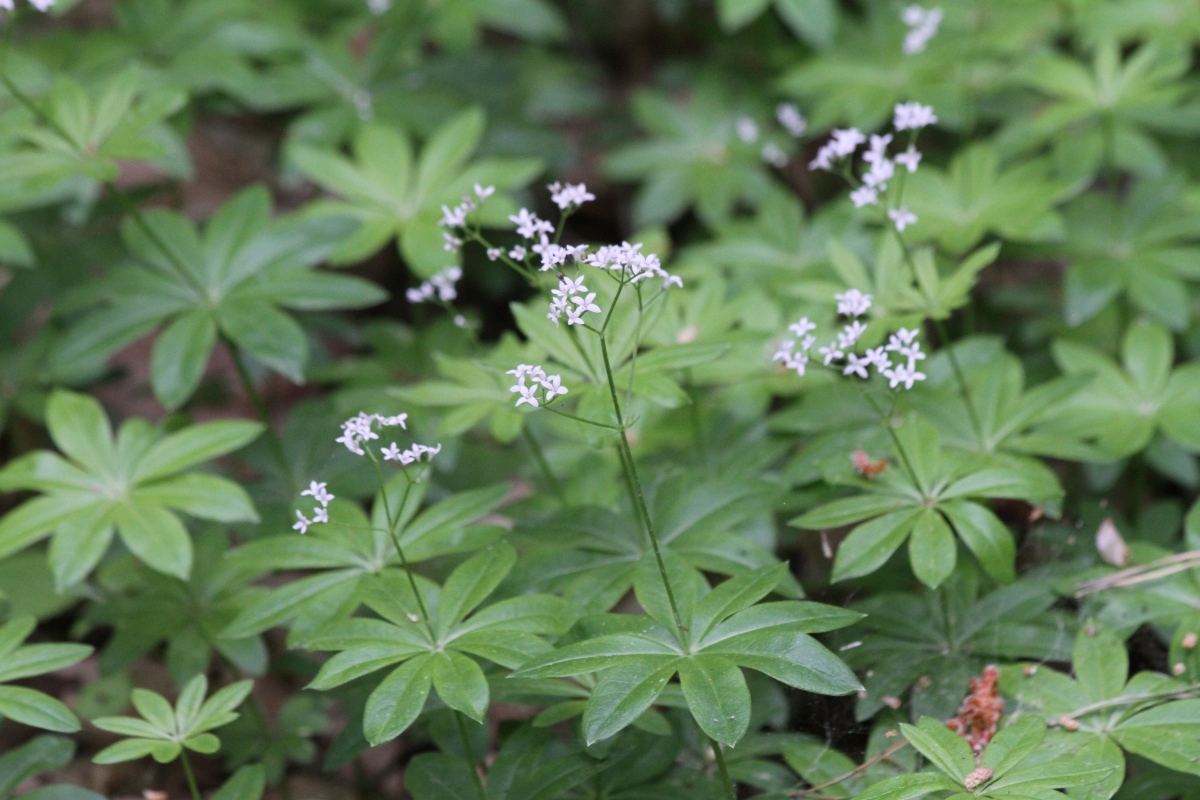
pixel 573 299
pixel 456 218
pixel 413 454
pixel 844 143
pixel 628 259
pixel 441 284
pixel 853 304
pixel 321 495
pixel 570 195
pixel 550 385
pixel 922 26
pixel 360 429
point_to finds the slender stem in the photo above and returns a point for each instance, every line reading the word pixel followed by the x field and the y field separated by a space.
pixel 466 741
pixel 543 465
pixel 870 762
pixel 391 518
pixel 885 418
pixel 191 779
pixel 956 368
pixel 730 791
pixel 1130 699
pixel 627 463
pixel 260 410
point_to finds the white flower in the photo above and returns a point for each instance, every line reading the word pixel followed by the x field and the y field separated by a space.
pixel 880 173
pixel 903 374
pixel 864 196
pixel 550 384
pixel 773 155
pixel 877 151
pixel 829 352
pixel 796 361
pixel 377 7
pixel 747 130
pixel 850 335
pixel 626 259
pixel 856 365
pixel 527 395
pixel 553 387
pixel 902 217
pixel 320 515
pixel 846 141
pixel 40 5
pixel 391 452
pixel 529 225
pixel 784 353
pixel 318 492
pixel 879 358
pixel 910 158
pixel 484 192
pixel 302 523
pixel 441 284
pixel 802 327
pixel 569 286
pixel 922 25
pixel 791 119
pixel 494 253
pixel 586 303
pixel 453 218
pixel 575 316
pixel 452 243
pixel 913 116
pixel 566 196
pixel 853 303
pixel 518 253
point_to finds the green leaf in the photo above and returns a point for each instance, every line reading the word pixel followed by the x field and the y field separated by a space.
pixel 623 693
pixel 218 709
pixel 155 709
pixel 267 334
pixel 733 595
pixel 247 783
pixel 34 708
pixel 194 445
pixel 156 536
pixel 460 683
pixel 133 749
pixel 909 787
pixel 38 659
pixel 1010 745
pixel 931 549
pixel 438 776
pixel 203 496
pixel 39 754
pixel 736 14
pixel 872 543
pixel 397 701
pixel 447 150
pixel 943 748
pixel 814 21
pixel 471 583
pixel 717 695
pixel 1100 662
pixel 985 535
pixel 80 428
pixel 180 355
pixel 795 659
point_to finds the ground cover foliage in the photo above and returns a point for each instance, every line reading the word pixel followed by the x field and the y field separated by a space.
pixel 521 400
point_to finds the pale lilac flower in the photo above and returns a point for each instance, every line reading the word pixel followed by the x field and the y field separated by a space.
pixel 850 335
pixel 846 141
pixel 913 116
pixel 453 217
pixel 452 243
pixel 879 358
pixel 40 5
pixel 529 225
pixel 856 365
pixel 864 196
pixel 877 150
pixel 575 316
pixel 880 173
pixel 802 327
pixel 909 159
pixel 569 286
pixel 852 303
pixel 903 374
pixel 829 352
pixel 318 492
pixel 484 192
pixel 391 452
pixel 320 514
pixel 923 25
pixel 902 217
pixel 747 130
pixel 791 119
pixel 442 284
pixel 302 523
pixel 587 303
pixel 518 253
pixel 566 196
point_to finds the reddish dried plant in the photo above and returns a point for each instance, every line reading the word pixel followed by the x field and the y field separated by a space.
pixel 865 466
pixel 980 711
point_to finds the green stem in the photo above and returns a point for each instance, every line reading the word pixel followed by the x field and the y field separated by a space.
pixel 260 410
pixel 543 465
pixel 627 463
pixel 191 779
pixel 470 751
pixel 944 340
pixel 576 418
pixel 730 791
pixel 391 518
pixel 885 418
